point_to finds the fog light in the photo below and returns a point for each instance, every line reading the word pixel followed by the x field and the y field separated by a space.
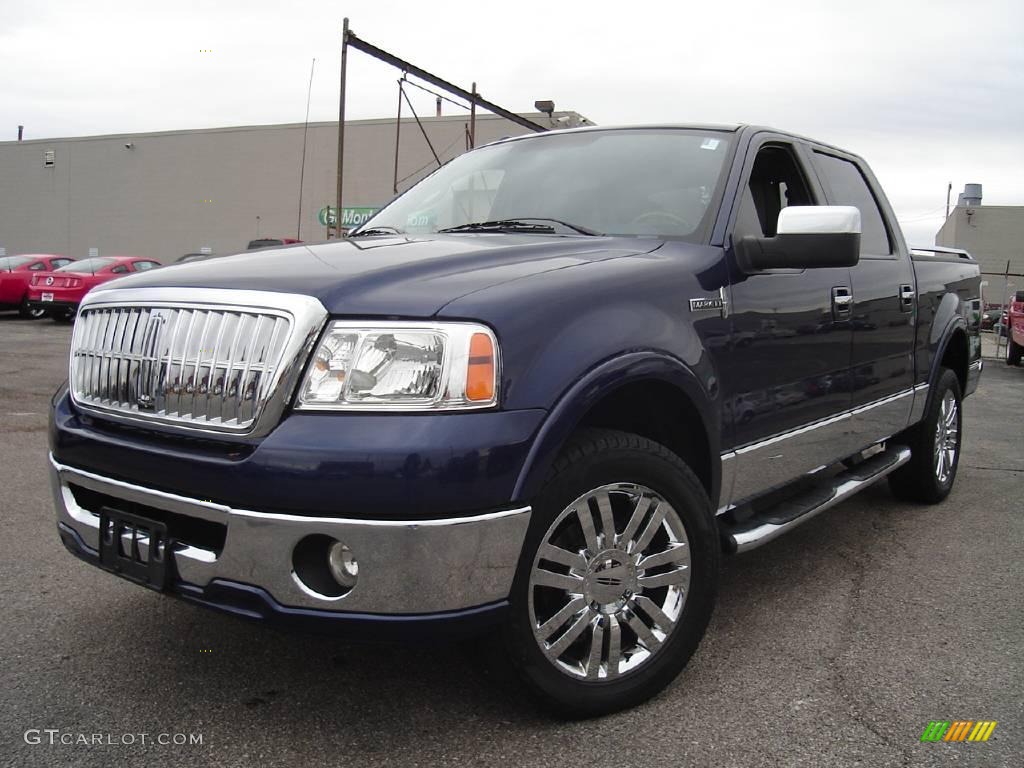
pixel 343 565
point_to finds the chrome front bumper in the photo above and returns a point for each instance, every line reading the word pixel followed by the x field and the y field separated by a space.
pixel 405 566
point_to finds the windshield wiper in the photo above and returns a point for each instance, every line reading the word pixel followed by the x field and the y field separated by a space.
pixel 377 231
pixel 519 225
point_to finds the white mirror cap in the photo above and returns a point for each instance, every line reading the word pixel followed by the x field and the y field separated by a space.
pixel 819 220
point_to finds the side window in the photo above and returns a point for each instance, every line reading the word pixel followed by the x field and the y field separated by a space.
pixel 849 187
pixel 120 269
pixel 142 266
pixel 37 266
pixel 775 183
pixel 58 263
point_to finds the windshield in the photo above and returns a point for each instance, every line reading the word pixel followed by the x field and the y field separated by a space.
pixel 86 265
pixel 655 182
pixel 9 263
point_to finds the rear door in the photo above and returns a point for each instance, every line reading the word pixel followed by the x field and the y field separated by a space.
pixel 884 302
pixel 786 377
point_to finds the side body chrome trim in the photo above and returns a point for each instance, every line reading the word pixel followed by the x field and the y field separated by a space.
pixel 771 463
pixel 405 566
pixel 920 398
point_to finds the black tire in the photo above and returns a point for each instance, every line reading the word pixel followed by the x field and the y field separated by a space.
pixel 919 479
pixel 27 312
pixel 596 459
pixel 65 317
pixel 1013 352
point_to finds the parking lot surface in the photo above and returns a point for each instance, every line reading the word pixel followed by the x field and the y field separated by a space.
pixel 835 645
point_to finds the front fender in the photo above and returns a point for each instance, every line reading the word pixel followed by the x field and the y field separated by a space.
pixel 596 384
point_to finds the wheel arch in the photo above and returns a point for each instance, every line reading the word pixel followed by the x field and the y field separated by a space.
pixel 626 393
pixel 952 352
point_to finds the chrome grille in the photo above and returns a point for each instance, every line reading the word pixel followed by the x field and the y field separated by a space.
pixel 195 366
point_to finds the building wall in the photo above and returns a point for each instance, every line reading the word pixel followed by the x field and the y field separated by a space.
pixel 993 234
pixel 175 192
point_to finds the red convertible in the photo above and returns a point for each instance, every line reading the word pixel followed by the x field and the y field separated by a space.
pixel 58 293
pixel 15 275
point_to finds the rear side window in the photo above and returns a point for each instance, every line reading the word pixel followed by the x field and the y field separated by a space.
pixel 142 266
pixel 88 266
pixel 57 263
pixel 39 265
pixel 849 187
pixel 120 269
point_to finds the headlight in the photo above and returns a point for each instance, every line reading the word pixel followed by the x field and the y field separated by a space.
pixel 402 366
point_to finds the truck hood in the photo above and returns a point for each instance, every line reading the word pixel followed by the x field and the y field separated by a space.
pixel 392 276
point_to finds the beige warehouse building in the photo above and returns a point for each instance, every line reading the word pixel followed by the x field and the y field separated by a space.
pixel 174 192
pixel 994 235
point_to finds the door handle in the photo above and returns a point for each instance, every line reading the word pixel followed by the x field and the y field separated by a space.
pixel 842 302
pixel 907 295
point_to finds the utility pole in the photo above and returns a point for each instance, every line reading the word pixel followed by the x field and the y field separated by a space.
pixel 949 191
pixel 472 118
pixel 341 126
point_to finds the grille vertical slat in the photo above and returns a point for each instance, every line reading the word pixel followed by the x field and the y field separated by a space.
pixel 193 366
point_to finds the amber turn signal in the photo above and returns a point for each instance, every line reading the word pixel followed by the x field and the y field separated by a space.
pixel 480 371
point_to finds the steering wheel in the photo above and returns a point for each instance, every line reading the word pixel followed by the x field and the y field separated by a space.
pixel 654 216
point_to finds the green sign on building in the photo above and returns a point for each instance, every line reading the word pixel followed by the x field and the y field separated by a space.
pixel 350 217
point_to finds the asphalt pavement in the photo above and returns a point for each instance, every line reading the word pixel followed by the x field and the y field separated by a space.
pixel 834 645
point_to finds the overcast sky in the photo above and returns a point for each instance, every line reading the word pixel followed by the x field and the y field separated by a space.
pixel 930 92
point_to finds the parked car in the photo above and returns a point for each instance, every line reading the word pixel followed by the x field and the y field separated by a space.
pixel 58 293
pixel 1015 329
pixel 194 257
pixel 270 242
pixel 15 275
pixel 991 317
pixel 513 399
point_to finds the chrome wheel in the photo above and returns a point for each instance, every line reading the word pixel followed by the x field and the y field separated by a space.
pixel 947 437
pixel 609 581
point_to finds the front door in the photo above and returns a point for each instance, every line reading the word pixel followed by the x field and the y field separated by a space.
pixel 787 375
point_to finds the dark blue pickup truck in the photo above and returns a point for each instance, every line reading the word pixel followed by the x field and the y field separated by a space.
pixel 540 392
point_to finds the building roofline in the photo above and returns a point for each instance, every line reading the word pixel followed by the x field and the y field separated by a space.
pixel 278 126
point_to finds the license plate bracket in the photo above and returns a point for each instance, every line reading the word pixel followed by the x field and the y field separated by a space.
pixel 135 547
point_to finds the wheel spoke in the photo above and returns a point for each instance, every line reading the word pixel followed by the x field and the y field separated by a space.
pixel 614 646
pixel 671 578
pixel 548 628
pixel 657 615
pixel 604 507
pixel 657 518
pixel 587 524
pixel 566 582
pixel 639 513
pixel 562 556
pixel 557 648
pixel 676 553
pixel 596 650
pixel 643 632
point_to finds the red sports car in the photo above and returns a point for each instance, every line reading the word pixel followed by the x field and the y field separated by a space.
pixel 16 273
pixel 58 293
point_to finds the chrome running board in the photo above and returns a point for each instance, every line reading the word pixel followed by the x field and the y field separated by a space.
pixel 825 493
